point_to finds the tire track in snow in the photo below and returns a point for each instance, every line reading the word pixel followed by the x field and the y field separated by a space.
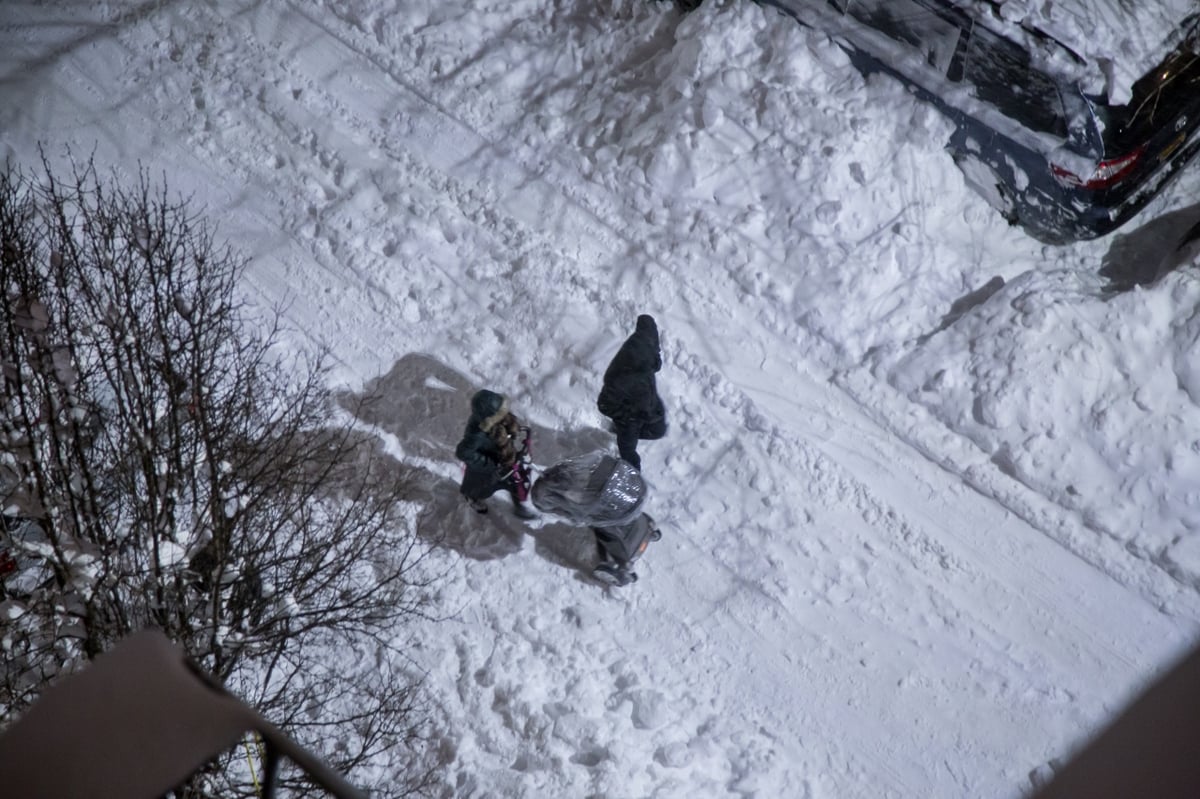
pixel 357 181
pixel 987 620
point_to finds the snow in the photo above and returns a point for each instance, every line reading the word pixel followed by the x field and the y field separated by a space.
pixel 929 494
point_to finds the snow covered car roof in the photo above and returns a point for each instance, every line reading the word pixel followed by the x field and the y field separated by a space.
pixel 1120 40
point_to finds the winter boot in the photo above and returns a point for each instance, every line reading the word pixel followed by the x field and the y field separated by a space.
pixel 477 505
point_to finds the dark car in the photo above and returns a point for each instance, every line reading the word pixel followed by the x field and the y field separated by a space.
pixel 1055 152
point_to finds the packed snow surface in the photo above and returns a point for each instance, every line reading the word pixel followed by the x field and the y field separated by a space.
pixel 930 492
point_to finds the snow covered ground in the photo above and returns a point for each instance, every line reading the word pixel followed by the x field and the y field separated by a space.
pixel 930 491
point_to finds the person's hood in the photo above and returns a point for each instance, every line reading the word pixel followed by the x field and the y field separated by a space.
pixel 488 407
pixel 639 355
pixel 648 356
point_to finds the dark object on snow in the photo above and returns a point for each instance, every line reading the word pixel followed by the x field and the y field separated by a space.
pixel 495 451
pixel 1151 749
pixel 136 723
pixel 629 395
pixel 1034 133
pixel 620 547
pixel 606 494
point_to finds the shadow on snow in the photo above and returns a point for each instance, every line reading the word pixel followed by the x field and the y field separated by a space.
pixel 1143 256
pixel 420 408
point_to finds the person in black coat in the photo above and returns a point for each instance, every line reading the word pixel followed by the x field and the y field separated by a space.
pixel 629 395
pixel 492 449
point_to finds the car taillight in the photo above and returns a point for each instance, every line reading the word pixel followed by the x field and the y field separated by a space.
pixel 1104 175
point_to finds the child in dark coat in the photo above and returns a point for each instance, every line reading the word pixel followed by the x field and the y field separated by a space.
pixel 629 395
pixel 491 448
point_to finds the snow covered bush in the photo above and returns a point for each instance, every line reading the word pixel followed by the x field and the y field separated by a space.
pixel 164 465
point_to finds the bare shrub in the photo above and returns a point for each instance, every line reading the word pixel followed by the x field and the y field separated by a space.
pixel 163 464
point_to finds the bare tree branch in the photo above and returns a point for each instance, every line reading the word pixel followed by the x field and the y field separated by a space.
pixel 160 465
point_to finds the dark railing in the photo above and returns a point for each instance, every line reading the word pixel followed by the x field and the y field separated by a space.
pixel 135 724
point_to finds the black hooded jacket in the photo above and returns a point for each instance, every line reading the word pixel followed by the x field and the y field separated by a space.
pixel 489 445
pixel 629 393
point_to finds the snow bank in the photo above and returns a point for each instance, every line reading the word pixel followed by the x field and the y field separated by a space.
pixel 1089 399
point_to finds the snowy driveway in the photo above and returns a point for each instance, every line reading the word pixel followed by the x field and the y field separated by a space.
pixel 844 604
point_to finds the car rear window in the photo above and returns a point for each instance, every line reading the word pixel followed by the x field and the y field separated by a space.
pixel 1001 74
pixel 1157 98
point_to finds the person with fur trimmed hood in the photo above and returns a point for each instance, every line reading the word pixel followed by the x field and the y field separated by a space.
pixel 629 395
pixel 491 449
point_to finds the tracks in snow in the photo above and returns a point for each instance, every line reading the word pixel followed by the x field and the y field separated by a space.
pixel 377 180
